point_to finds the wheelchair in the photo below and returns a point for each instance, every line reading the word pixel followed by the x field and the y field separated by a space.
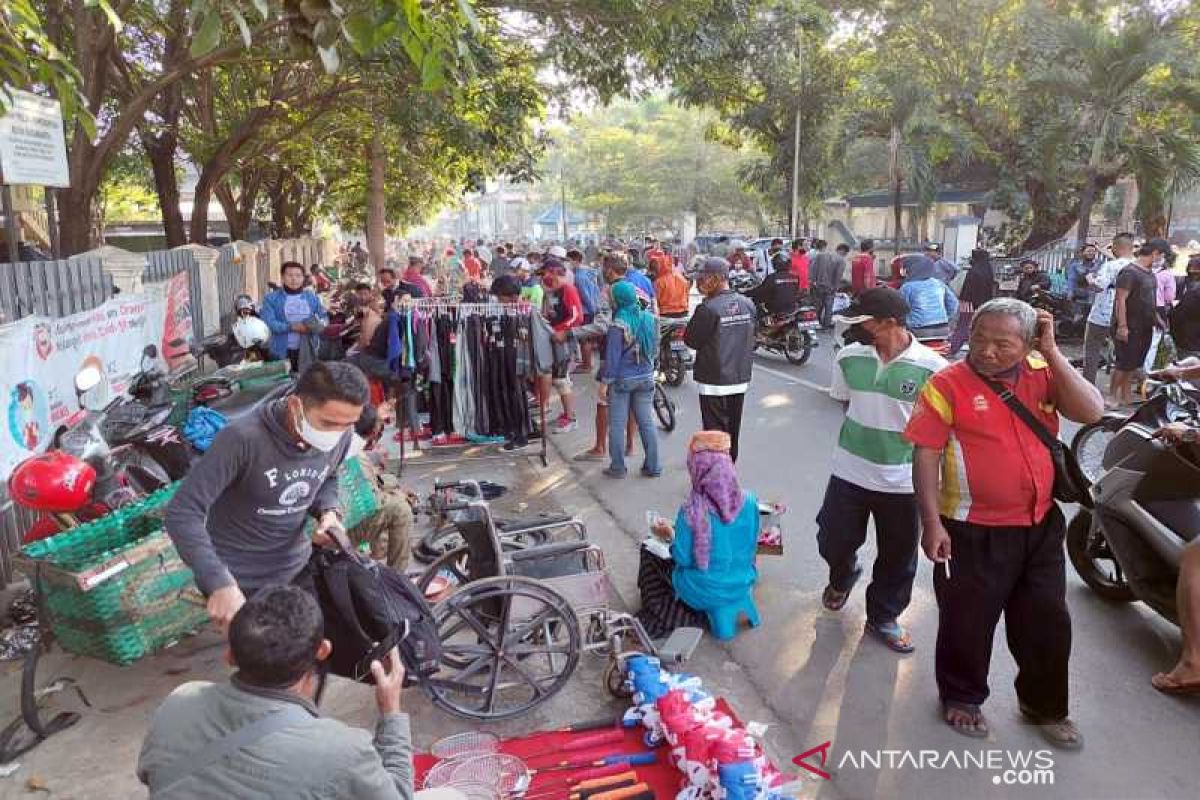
pixel 513 622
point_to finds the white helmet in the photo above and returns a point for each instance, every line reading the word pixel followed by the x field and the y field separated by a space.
pixel 251 331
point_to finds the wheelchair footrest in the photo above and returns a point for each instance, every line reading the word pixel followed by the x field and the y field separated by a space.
pixel 679 646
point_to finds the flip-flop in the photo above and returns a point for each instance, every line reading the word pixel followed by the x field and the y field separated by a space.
pixel 1164 683
pixel 977 728
pixel 833 599
pixel 1060 732
pixel 891 634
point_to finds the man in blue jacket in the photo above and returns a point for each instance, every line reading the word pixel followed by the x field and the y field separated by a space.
pixel 295 317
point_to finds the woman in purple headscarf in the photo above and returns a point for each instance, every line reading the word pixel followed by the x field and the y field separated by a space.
pixel 710 574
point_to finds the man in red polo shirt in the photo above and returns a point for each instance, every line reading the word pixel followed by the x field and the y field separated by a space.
pixel 984 485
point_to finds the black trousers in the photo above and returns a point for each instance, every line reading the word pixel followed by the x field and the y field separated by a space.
pixel 723 414
pixel 1017 571
pixel 842 530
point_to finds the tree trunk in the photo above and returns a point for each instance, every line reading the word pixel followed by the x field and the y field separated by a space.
pixel 160 150
pixel 76 207
pixel 376 203
pixel 1087 199
pixel 198 233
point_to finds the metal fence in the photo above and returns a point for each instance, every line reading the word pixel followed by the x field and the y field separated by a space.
pixel 51 288
pixel 164 264
pixel 231 272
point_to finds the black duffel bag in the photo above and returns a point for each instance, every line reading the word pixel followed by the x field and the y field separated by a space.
pixel 370 608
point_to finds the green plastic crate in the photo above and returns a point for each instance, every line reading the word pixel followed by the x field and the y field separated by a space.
pixel 115 588
pixel 356 494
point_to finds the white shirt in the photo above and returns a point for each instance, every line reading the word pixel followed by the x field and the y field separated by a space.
pixel 1104 280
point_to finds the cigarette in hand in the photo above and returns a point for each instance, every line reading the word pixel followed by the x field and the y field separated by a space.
pixel 946 564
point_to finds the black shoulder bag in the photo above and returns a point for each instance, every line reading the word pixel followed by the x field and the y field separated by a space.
pixel 1070 484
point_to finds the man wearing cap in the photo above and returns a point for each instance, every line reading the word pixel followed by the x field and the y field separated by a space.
pixel 721 331
pixel 878 376
pixel 942 269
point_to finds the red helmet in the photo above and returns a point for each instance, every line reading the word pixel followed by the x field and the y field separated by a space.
pixel 54 482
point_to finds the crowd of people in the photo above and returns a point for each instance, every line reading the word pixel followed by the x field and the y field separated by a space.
pixel 917 452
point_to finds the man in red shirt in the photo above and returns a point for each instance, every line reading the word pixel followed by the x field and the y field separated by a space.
pixel 799 259
pixel 862 268
pixel 984 485
pixel 563 309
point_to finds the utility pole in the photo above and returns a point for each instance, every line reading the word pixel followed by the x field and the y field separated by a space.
pixel 562 196
pixel 796 139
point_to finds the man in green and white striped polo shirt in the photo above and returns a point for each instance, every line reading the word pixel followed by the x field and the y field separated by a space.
pixel 878 375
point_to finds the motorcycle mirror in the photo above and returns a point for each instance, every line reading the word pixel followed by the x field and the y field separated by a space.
pixel 87 379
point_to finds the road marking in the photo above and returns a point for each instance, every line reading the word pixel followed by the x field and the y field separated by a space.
pixel 783 376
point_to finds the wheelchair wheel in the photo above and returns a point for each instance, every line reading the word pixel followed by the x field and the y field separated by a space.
pixel 452 565
pixel 508 644
pixel 664 408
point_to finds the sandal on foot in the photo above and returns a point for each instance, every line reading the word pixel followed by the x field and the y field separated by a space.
pixel 965 718
pixel 1168 684
pixel 892 634
pixel 1061 733
pixel 833 599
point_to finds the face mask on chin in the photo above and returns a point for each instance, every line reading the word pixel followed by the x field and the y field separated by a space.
pixel 324 441
pixel 857 334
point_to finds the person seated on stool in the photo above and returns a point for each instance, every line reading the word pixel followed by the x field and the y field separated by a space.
pixel 710 576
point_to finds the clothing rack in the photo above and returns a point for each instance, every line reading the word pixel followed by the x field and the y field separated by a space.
pixel 520 308
pixel 459 309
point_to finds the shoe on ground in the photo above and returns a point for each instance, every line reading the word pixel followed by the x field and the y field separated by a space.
pixel 590 455
pixel 609 472
pixel 514 446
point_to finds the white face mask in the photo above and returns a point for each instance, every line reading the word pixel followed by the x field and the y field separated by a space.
pixel 321 440
pixel 358 446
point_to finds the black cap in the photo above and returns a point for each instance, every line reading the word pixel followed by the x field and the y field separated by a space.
pixel 506 286
pixel 879 303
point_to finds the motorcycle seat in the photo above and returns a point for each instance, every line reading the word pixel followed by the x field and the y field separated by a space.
pixel 1181 516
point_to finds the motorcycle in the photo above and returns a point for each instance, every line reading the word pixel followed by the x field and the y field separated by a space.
pixel 101 460
pixel 1147 503
pixel 675 358
pixel 792 334
pixel 248 340
pixel 1070 319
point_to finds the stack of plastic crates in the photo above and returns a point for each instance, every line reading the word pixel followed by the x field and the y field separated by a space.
pixel 115 588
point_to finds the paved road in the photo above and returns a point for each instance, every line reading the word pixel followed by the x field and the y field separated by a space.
pixel 816 671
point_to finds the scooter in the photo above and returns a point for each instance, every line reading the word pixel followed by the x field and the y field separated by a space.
pixel 85 475
pixel 1147 506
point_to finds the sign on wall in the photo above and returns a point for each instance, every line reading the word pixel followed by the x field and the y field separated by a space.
pixel 33 149
pixel 41 356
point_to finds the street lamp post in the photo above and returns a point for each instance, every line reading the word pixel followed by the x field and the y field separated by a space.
pixel 796 137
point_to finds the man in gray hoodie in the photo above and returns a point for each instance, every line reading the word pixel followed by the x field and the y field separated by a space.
pixel 238 518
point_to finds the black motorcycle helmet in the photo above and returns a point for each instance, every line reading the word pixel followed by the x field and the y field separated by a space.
pixel 242 305
pixel 780 262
